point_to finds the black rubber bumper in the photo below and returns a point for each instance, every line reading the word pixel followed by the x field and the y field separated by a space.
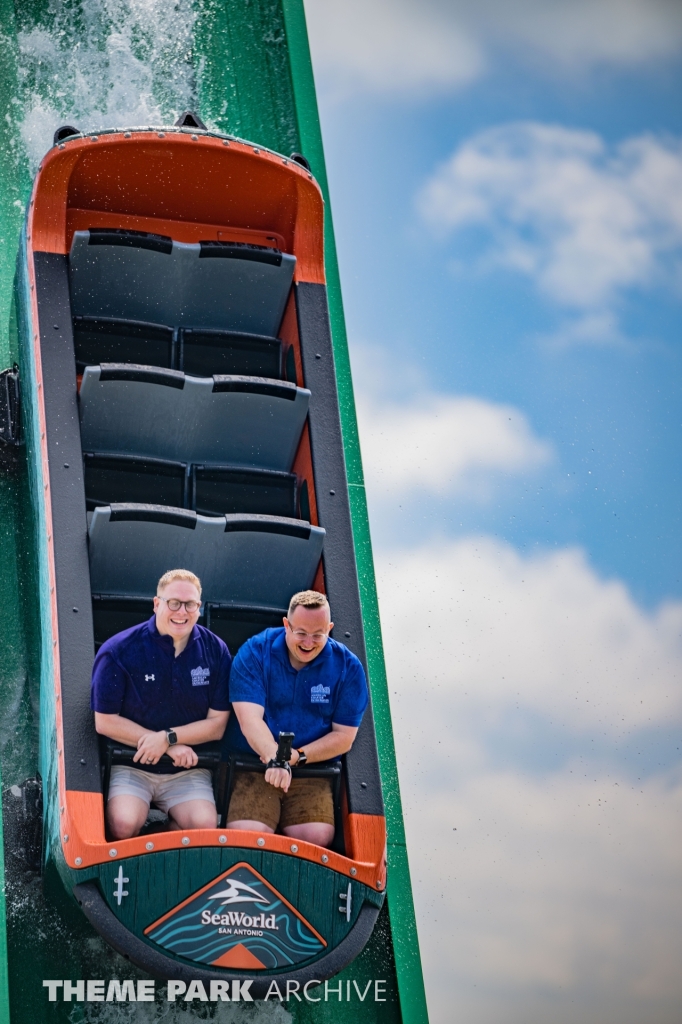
pixel 163 968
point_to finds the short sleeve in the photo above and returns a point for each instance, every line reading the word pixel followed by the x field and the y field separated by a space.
pixel 108 685
pixel 247 677
pixel 353 697
pixel 219 694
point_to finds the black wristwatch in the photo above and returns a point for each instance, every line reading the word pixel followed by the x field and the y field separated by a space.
pixel 302 758
pixel 172 737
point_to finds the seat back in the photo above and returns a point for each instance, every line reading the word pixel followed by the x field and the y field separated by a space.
pixel 203 353
pixel 123 478
pixel 240 559
pixel 139 276
pixel 98 340
pixel 112 615
pixel 200 353
pixel 235 625
pixel 219 489
pixel 164 414
pixel 210 490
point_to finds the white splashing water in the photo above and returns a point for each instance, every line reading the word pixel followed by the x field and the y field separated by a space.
pixel 181 1013
pixel 105 64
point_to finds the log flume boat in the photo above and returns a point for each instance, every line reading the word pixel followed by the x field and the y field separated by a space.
pixel 182 410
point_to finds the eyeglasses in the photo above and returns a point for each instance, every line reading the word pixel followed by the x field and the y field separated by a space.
pixel 301 634
pixel 174 605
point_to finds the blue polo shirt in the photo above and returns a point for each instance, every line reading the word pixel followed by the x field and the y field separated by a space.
pixel 332 688
pixel 136 675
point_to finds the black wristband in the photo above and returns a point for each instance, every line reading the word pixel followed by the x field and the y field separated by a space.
pixel 279 764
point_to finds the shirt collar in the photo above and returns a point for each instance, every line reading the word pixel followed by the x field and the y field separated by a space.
pixel 165 639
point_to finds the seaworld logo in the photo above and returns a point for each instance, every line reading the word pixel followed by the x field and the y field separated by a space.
pixel 200 676
pixel 233 894
pixel 238 919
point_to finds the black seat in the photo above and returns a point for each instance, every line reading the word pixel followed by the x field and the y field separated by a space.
pixel 210 490
pixel 98 340
pixel 205 353
pixel 113 614
pixel 235 286
pixel 122 478
pixel 200 353
pixel 219 489
pixel 241 559
pixel 235 624
pixel 158 413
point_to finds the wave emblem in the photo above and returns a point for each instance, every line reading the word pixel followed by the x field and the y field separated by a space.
pixel 265 932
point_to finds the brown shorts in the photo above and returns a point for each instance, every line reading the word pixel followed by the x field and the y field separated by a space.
pixel 254 799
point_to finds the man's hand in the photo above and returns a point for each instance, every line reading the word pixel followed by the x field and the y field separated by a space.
pixel 280 778
pixel 151 747
pixel 182 755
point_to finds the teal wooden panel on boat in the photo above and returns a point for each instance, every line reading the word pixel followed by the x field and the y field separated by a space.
pixel 142 890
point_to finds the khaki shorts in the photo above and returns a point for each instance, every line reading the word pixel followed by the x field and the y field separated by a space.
pixel 164 791
pixel 254 799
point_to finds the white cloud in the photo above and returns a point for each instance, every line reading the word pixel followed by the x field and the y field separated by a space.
pixel 585 222
pixel 481 630
pixel 445 444
pixel 555 900
pixel 390 46
pixel 406 46
pixel 558 895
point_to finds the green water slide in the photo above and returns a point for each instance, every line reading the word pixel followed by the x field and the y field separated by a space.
pixel 244 66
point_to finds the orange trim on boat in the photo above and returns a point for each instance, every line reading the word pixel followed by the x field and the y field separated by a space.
pixel 83 822
pixel 209 186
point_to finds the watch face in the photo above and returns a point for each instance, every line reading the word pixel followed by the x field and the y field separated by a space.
pixel 172 738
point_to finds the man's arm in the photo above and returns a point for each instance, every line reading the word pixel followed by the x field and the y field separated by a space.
pixel 333 744
pixel 151 746
pixel 258 736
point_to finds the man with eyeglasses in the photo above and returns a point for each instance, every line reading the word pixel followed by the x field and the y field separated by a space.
pixel 162 687
pixel 293 679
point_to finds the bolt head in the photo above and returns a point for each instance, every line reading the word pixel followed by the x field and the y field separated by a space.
pixel 149 846
pixel 65 839
pixel 380 884
pixel 79 861
pixel 294 848
pixel 112 853
pixel 260 841
pixel 222 839
pixel 185 840
pixel 353 871
pixel 325 858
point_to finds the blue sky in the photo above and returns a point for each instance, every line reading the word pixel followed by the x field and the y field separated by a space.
pixel 611 409
pixel 506 182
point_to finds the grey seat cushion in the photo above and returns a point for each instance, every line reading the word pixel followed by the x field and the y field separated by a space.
pixel 240 559
pixel 163 414
pixel 155 279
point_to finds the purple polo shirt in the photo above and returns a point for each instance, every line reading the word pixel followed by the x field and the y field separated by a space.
pixel 136 675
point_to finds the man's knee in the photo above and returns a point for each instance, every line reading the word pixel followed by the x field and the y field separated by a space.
pixel 125 819
pixel 195 814
pixel 317 832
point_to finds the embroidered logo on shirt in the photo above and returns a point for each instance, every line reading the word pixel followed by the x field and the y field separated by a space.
pixel 319 694
pixel 150 679
pixel 200 676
